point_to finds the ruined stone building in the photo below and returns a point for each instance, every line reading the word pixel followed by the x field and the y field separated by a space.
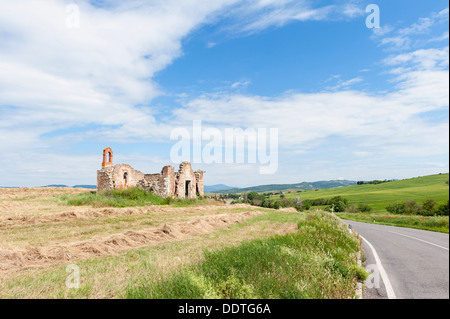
pixel 182 184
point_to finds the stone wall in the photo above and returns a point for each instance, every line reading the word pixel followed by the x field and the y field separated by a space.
pixel 186 178
pixel 104 178
pixel 199 179
pixel 125 176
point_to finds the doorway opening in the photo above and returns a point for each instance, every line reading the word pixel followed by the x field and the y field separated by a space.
pixel 188 189
pixel 125 179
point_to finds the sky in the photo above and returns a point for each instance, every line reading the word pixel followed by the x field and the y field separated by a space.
pixel 346 98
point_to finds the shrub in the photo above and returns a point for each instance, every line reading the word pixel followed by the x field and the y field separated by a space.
pixel 443 209
pixel 339 206
pixel 396 208
pixel 364 208
pixel 352 209
pixel 413 208
pixel 429 207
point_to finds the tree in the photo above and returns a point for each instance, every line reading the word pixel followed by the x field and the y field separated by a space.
pixel 443 209
pixel 396 208
pixel 364 208
pixel 429 207
pixel 339 204
pixel 413 208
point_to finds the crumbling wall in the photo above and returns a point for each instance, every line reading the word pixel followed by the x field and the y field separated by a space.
pixel 105 179
pixel 168 183
pixel 186 182
pixel 199 180
pixel 125 176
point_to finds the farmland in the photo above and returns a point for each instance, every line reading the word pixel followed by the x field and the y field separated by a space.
pixel 420 202
pixel 378 196
pixel 134 251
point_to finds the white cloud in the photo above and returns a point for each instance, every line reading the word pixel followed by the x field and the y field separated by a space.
pixel 345 84
pixel 442 37
pixel 389 123
pixel 240 84
pixel 404 38
pixel 57 77
pixel 256 15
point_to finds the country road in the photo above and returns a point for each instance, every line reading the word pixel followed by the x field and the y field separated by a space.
pixel 412 263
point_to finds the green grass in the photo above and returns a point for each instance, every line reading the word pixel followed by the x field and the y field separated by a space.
pixel 433 223
pixel 130 197
pixel 381 195
pixel 317 261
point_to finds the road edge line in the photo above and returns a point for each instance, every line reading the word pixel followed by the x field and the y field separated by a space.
pixel 387 283
pixel 427 242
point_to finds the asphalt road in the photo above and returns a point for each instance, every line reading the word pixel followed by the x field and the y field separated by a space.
pixel 412 263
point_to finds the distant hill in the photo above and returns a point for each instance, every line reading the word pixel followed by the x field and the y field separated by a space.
pixel 281 187
pixel 55 185
pixel 85 186
pixel 215 188
pixel 75 186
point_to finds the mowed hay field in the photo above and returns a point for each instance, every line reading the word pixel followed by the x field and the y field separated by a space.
pixel 121 251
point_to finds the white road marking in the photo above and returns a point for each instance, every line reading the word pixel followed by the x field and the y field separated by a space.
pixel 387 283
pixel 419 240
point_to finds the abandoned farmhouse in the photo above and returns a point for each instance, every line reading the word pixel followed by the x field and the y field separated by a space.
pixel 182 184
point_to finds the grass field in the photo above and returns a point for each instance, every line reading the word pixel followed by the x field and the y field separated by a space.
pixel 137 251
pixel 378 196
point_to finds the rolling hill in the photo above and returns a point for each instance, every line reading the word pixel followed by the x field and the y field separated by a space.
pixel 380 195
pixel 281 187
pixel 215 188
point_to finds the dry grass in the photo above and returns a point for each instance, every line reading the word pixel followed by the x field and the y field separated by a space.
pixel 31 256
pixel 39 236
pixel 30 202
pixel 108 277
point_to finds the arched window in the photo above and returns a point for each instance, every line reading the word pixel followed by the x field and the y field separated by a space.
pixel 107 157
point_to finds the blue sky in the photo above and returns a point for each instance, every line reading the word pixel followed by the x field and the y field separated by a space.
pixel 349 102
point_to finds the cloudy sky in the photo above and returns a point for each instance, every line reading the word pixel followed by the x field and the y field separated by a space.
pixel 349 102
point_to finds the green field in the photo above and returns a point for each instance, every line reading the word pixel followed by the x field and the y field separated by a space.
pixel 378 196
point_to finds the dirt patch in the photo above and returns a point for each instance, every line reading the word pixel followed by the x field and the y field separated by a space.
pixel 289 210
pixel 32 257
